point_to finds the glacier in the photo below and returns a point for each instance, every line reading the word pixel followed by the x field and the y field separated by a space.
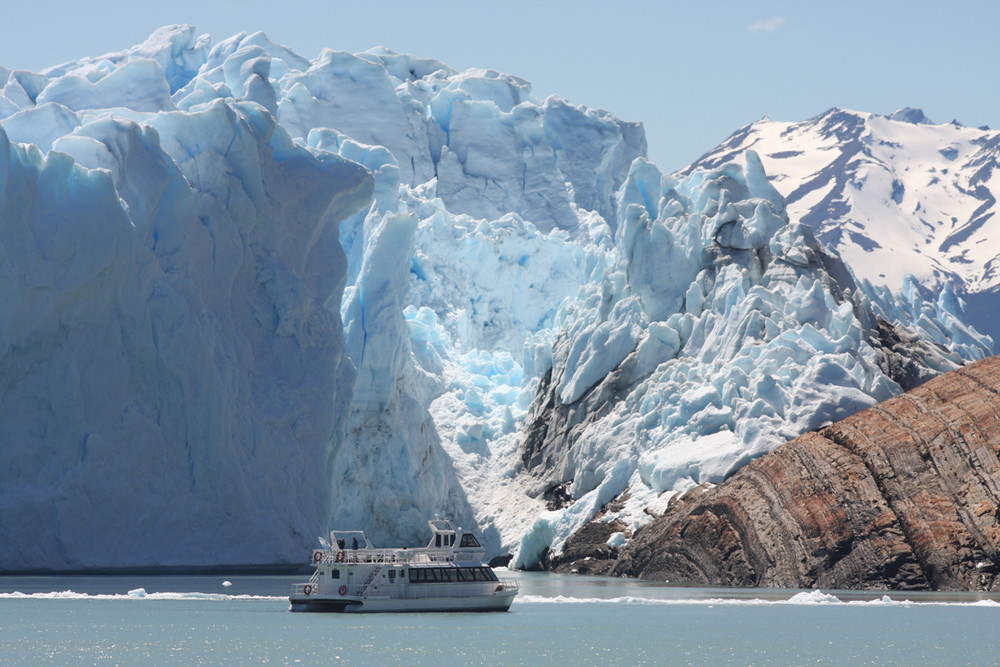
pixel 251 296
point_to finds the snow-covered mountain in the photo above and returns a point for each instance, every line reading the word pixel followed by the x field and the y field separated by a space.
pixel 894 195
pixel 520 319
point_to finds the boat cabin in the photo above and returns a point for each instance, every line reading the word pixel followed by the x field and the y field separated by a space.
pixel 444 536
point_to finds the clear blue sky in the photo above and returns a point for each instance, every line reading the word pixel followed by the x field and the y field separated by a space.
pixel 692 72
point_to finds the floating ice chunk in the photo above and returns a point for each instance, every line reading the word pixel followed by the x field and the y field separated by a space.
pixel 814 597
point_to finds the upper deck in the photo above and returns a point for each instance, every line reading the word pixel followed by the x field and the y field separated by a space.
pixel 447 544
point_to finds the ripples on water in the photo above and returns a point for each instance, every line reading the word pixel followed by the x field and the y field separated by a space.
pixel 555 620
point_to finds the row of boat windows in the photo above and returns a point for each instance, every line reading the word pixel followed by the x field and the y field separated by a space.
pixel 425 575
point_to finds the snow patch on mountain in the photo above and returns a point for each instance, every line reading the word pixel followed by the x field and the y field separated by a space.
pixel 894 196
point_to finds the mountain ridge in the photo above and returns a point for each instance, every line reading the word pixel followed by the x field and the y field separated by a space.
pixel 894 195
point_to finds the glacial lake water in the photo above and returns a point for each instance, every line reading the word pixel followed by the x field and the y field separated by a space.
pixel 557 620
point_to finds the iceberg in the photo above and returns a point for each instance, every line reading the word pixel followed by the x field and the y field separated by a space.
pixel 249 296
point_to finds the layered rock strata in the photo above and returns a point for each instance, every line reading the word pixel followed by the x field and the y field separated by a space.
pixel 903 495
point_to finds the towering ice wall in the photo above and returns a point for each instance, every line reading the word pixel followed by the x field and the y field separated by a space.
pixel 170 382
pixel 535 320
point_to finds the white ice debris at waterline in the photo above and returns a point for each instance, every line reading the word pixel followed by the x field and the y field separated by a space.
pixel 175 385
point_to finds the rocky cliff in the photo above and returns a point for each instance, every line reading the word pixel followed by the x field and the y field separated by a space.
pixel 903 495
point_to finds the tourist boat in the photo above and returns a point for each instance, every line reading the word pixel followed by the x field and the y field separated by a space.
pixel 449 574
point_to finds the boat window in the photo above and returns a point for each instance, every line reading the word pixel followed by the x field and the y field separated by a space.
pixel 335 574
pixel 434 574
pixel 490 574
pixel 392 574
pixel 469 540
pixel 437 540
pixel 452 543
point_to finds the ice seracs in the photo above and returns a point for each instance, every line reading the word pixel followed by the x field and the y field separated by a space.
pixel 722 330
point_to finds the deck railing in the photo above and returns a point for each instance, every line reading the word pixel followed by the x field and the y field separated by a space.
pixel 421 555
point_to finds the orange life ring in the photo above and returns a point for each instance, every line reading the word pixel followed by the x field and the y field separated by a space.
pixel 307 589
pixel 341 556
pixel 317 556
pixel 343 590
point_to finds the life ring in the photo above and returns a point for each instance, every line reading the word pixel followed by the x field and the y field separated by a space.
pixel 341 556
pixel 307 589
pixel 317 556
pixel 342 590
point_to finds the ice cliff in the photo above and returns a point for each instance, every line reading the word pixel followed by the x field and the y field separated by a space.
pixel 167 366
pixel 522 318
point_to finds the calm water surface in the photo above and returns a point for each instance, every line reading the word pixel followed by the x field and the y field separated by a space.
pixel 555 620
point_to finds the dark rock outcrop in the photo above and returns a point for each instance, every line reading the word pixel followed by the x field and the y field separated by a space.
pixel 901 496
pixel 587 550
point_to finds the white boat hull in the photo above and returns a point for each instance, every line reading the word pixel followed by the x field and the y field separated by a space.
pixel 498 602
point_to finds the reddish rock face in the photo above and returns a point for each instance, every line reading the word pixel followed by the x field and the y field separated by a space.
pixel 901 496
